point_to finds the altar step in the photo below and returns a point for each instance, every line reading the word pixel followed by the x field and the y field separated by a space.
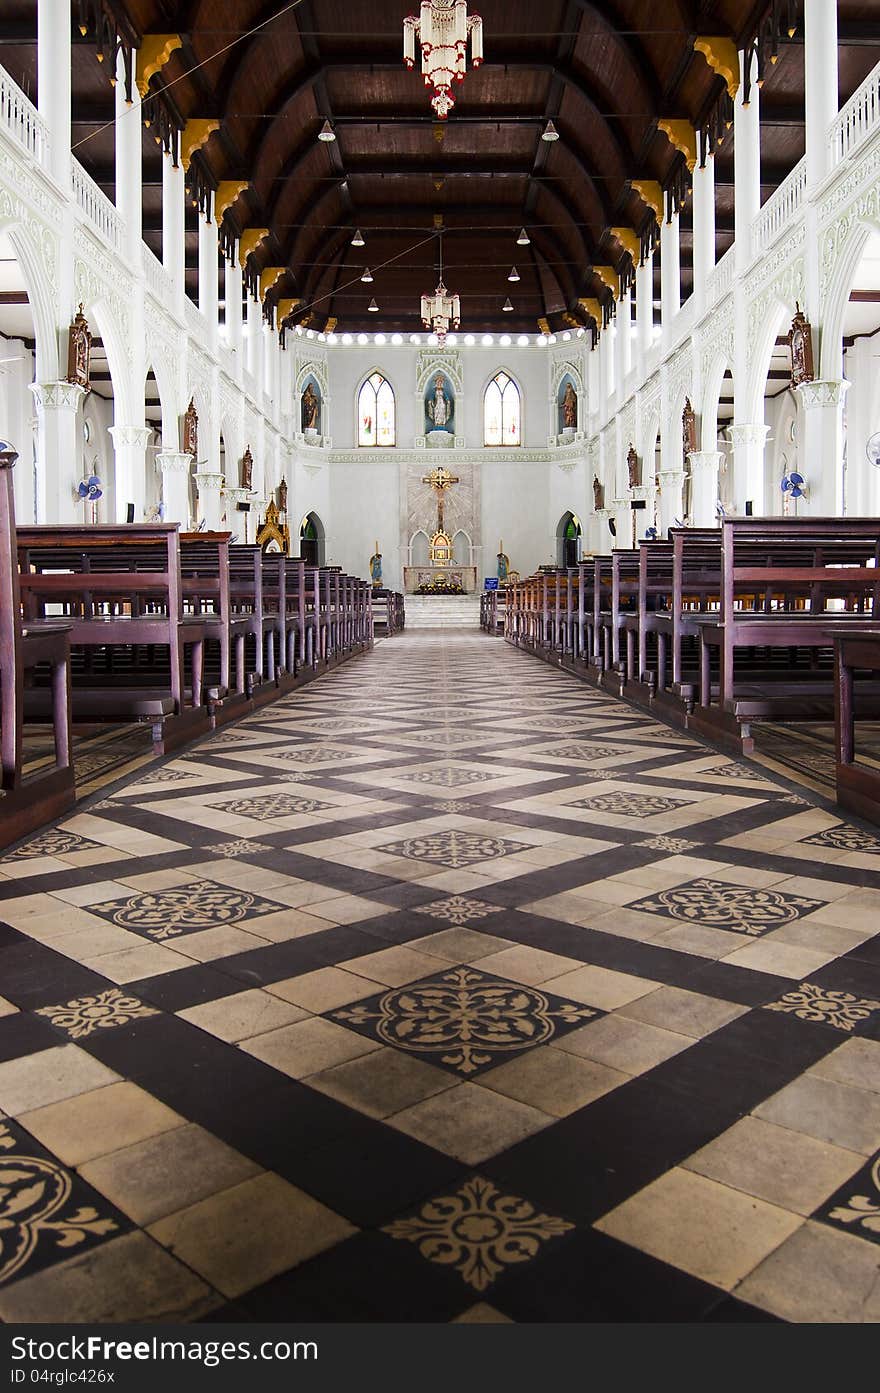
pixel 442 611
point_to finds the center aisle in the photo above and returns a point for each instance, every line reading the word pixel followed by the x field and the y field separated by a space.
pixel 445 988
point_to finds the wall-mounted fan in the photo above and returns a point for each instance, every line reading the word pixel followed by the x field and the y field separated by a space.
pixel 89 490
pixel 794 484
pixel 872 450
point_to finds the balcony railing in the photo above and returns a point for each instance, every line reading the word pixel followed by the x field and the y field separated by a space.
pixel 781 208
pixel 96 205
pixel 857 120
pixel 157 278
pixel 720 278
pixel 21 120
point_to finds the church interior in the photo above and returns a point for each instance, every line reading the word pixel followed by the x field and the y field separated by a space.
pixel 434 447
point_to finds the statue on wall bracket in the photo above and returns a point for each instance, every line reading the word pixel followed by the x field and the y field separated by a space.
pixel 190 431
pixel 800 341
pixel 79 348
pixel 598 494
pixel 634 467
pixel 688 430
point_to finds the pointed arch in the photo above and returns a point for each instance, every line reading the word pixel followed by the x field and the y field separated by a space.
pixel 376 412
pixel 502 410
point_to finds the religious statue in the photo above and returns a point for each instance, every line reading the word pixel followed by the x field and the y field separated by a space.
pixel 79 347
pixel 376 568
pixel 634 467
pixel 598 494
pixel 191 430
pixel 570 407
pixel 688 429
pixel 247 469
pixel 439 410
pixel 282 496
pixel 310 404
pixel 503 564
pixel 800 341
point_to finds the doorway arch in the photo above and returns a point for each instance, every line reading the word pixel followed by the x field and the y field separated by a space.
pixel 568 540
pixel 311 539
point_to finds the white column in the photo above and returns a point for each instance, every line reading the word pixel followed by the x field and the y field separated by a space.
pixel 130 469
pixel 174 468
pixel 645 303
pixel 670 273
pixel 53 83
pixel 210 503
pixel 704 226
pixel 208 270
pixel 129 166
pixel 57 441
pixel 267 371
pixel 254 321
pixel 624 336
pixel 609 341
pixel 748 441
pixel 821 84
pixel 232 301
pixel 174 228
pixel 704 466
pixel 594 382
pixel 746 165
pixel 821 445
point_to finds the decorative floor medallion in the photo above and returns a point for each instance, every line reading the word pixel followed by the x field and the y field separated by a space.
pixel 240 848
pixel 466 1021
pixel 479 1231
pixel 738 908
pixel 184 910
pixel 86 1014
pixel 843 1010
pixel 447 778
pixel 33 1192
pixel 265 807
pixel 673 844
pixel 458 909
pixel 312 754
pixel 630 804
pixel 54 843
pixel 582 750
pixel 845 839
pixel 856 1206
pixel 454 848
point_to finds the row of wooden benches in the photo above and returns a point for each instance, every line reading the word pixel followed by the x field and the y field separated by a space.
pixel 144 623
pixel 715 628
pixel 388 611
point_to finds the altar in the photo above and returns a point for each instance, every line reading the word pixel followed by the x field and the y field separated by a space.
pixel 415 576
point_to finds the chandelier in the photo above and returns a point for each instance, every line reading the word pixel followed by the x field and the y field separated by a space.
pixel 443 27
pixel 441 311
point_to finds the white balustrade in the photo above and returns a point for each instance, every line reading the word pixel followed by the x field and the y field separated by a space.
pixel 858 120
pixel 157 278
pixel 96 206
pixel 780 210
pixel 195 321
pixel 20 120
pixel 720 278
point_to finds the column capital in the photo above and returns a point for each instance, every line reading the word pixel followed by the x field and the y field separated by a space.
pixel 173 462
pixel 705 459
pixel 748 434
pixel 209 480
pixel 57 396
pixel 822 393
pixel 133 437
pixel 238 495
pixel 671 477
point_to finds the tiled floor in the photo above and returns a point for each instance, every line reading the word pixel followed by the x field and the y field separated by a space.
pixel 447 989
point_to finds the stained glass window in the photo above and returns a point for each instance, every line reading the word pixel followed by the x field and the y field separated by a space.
pixel 376 412
pixel 502 412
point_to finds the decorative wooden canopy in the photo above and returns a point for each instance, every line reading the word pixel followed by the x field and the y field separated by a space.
pixel 272 530
pixel 242 89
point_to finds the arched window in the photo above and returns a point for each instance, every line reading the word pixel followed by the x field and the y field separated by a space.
pixel 376 411
pixel 502 412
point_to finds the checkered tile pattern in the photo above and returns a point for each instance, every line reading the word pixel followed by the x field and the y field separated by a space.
pixel 462 986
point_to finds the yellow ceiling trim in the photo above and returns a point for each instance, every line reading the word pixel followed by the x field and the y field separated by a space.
pixel 285 308
pixel 650 192
pixel 226 194
pixel 194 135
pixel 270 276
pixel 249 241
pixel 593 309
pixel 608 276
pixel 682 136
pixel 153 54
pixel 722 57
pixel 630 242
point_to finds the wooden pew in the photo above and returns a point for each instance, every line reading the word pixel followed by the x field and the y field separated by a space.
pixel 858 784
pixel 120 589
pixel 28 801
pixel 786 584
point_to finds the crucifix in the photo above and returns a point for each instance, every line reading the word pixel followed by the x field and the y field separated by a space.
pixel 440 480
